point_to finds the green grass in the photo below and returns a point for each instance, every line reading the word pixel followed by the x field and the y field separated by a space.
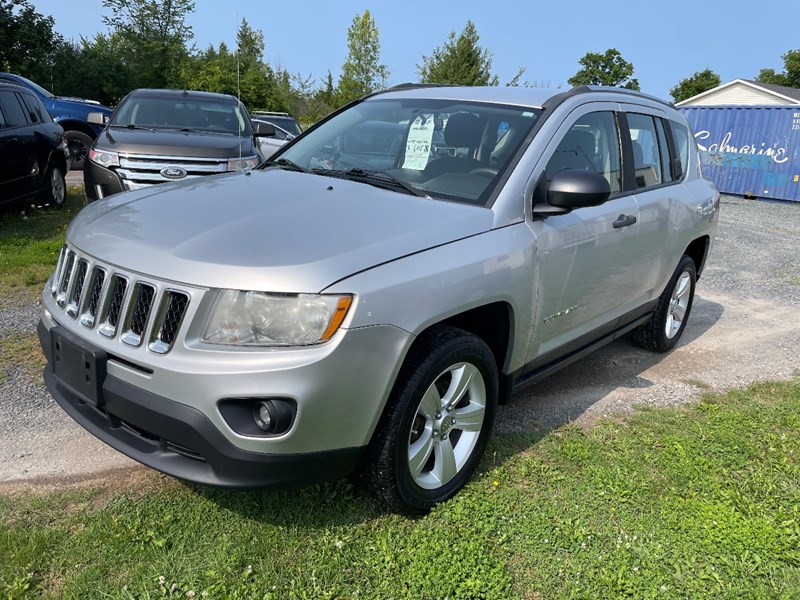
pixel 30 240
pixel 697 502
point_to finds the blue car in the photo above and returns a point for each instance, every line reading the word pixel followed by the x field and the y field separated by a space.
pixel 71 113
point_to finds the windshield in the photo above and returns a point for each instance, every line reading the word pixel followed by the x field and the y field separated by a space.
pixel 288 124
pixel 178 112
pixel 37 87
pixel 446 149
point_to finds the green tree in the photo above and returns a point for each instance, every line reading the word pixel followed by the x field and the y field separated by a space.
pixel 608 69
pixel 27 40
pixel 461 60
pixel 700 82
pixel 155 34
pixel 362 71
pixel 791 71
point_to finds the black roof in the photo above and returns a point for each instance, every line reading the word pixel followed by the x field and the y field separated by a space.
pixel 162 93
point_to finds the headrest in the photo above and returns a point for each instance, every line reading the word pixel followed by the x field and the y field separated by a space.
pixel 463 130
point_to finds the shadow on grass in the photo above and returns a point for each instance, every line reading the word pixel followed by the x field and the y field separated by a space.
pixel 318 506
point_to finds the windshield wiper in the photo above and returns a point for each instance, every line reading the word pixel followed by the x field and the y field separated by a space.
pixel 285 163
pixel 128 126
pixel 378 178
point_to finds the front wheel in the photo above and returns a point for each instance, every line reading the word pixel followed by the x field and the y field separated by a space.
pixel 78 144
pixel 672 311
pixel 437 424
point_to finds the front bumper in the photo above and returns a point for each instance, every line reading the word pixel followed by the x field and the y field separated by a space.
pixel 170 419
pixel 181 441
pixel 100 182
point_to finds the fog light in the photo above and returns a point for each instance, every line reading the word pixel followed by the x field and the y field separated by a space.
pixel 264 414
pixel 273 416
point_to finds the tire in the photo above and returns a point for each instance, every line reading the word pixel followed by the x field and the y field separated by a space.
pixel 437 423
pixel 79 144
pixel 54 192
pixel 672 311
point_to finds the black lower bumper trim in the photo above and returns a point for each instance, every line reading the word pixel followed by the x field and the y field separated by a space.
pixel 182 442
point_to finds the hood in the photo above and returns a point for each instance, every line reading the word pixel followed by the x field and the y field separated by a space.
pixel 168 142
pixel 65 102
pixel 270 230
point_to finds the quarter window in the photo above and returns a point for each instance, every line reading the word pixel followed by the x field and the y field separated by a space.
pixel 646 155
pixel 681 136
pixel 34 108
pixel 591 144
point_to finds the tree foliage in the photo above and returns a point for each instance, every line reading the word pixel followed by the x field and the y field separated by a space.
pixel 700 82
pixel 27 40
pixel 460 60
pixel 608 69
pixel 791 71
pixel 362 71
pixel 154 34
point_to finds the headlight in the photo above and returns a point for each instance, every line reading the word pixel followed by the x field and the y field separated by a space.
pixel 243 164
pixel 104 158
pixel 261 319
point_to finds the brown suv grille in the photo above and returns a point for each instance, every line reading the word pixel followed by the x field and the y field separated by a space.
pixel 118 303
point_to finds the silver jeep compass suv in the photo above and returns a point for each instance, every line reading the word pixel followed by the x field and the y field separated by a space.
pixel 363 301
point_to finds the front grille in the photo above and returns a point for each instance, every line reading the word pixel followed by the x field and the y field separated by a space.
pixel 112 303
pixel 142 170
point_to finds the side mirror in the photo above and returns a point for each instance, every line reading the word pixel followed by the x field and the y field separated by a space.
pixel 264 129
pixel 576 188
pixel 97 118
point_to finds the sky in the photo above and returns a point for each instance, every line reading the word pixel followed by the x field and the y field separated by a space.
pixel 665 41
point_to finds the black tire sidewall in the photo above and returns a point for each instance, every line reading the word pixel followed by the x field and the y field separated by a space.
pixel 47 196
pixel 73 135
pixel 468 349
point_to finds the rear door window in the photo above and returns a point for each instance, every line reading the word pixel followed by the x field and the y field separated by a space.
pixel 13 115
pixel 646 151
pixel 35 109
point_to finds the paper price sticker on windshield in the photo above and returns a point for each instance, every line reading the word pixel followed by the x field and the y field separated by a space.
pixel 418 145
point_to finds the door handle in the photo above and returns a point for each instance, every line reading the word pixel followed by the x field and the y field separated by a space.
pixel 624 221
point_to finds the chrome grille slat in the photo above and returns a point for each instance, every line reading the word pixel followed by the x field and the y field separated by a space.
pixel 76 291
pixel 89 315
pixel 138 314
pixel 168 321
pixel 115 301
pixel 66 275
pixel 118 305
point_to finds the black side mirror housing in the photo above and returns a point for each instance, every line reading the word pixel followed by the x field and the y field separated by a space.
pixel 576 188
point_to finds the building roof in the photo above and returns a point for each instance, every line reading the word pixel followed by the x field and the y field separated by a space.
pixel 781 93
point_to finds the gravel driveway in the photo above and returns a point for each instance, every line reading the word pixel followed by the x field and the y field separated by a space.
pixel 744 327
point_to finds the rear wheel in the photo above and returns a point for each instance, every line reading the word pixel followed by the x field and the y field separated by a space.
pixel 669 320
pixel 54 192
pixel 437 424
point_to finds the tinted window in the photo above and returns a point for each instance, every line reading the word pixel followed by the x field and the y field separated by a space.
pixel 35 109
pixel 591 144
pixel 646 155
pixel 681 136
pixel 13 116
pixel 175 112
